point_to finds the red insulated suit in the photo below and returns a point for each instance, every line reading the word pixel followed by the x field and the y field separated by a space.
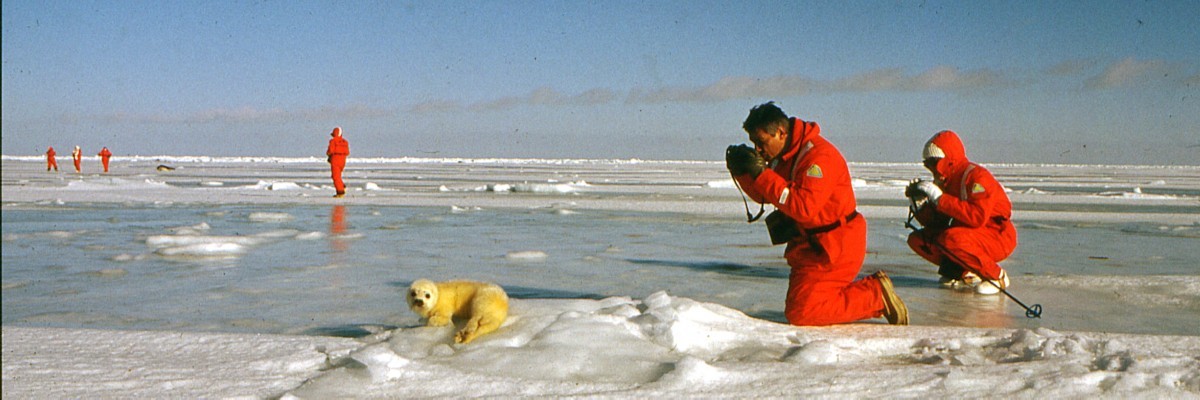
pixel 51 162
pixel 77 157
pixel 810 182
pixel 104 156
pixel 337 151
pixel 972 220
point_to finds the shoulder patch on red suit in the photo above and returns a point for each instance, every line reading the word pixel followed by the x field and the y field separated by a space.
pixel 814 171
pixel 977 188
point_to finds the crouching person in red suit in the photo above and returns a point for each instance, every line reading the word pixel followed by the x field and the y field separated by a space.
pixel 965 217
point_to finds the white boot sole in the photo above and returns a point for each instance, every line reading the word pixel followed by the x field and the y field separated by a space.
pixel 990 287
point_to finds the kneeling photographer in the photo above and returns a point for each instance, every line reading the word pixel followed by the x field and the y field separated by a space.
pixel 805 177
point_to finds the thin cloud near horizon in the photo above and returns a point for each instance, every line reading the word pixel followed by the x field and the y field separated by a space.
pixel 247 115
pixel 1122 73
pixel 1125 72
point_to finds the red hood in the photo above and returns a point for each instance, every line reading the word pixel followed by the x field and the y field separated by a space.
pixel 802 131
pixel 951 147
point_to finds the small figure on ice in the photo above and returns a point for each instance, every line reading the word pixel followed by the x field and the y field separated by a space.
pixel 51 161
pixel 336 155
pixel 104 156
pixel 967 232
pixel 77 157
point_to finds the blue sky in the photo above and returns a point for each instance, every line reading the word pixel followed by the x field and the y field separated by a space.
pixel 1020 81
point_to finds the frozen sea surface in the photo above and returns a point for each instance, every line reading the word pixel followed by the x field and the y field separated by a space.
pixel 257 246
pixel 296 269
pixel 631 279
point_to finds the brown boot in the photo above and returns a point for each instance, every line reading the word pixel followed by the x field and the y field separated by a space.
pixel 893 308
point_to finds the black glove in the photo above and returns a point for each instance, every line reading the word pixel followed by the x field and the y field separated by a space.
pixel 741 159
pixel 912 192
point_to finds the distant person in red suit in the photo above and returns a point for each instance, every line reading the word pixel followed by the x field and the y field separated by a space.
pixel 77 156
pixel 337 152
pixel 51 162
pixel 104 156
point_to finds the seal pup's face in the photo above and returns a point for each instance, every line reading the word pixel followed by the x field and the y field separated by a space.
pixel 422 296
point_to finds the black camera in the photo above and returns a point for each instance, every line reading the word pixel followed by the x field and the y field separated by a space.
pixel 912 192
pixel 781 227
pixel 735 157
pixel 738 148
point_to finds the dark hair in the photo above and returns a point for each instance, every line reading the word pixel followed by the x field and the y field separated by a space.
pixel 764 116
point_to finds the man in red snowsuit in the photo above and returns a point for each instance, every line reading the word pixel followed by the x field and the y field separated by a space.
pixel 969 230
pixel 104 156
pixel 77 157
pixel 808 181
pixel 51 162
pixel 337 152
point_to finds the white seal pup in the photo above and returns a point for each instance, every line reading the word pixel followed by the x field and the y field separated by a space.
pixel 484 305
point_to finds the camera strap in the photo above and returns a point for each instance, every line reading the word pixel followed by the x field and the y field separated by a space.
pixel 750 218
pixel 912 213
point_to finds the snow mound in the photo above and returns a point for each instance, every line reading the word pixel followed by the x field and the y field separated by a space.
pixel 262 216
pixel 1136 193
pixel 543 188
pixel 203 250
pixel 461 210
pixel 113 183
pixel 310 236
pixel 527 255
pixel 283 186
pixel 201 246
pixel 189 242
pixel 191 229
pixel 678 347
pixel 720 184
pixel 550 187
pixel 265 185
pixel 165 241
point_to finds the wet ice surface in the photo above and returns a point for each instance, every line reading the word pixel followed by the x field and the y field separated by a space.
pixel 153 250
pixel 599 255
pixel 289 269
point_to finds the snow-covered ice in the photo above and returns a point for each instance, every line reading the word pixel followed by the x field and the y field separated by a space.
pixel 629 279
pixel 665 346
pixel 661 346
